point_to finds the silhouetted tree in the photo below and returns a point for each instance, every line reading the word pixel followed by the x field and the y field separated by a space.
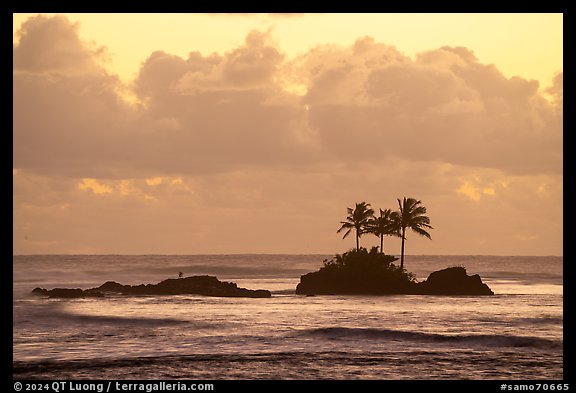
pixel 357 219
pixel 388 224
pixel 412 215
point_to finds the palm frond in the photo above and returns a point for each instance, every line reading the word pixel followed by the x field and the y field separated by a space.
pixel 347 233
pixel 420 220
pixel 401 205
pixel 412 215
pixel 345 225
pixel 358 218
pixel 421 232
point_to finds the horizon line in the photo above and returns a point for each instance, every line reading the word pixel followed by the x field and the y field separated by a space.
pixel 293 254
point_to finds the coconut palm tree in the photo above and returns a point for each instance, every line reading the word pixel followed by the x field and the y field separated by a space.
pixel 387 224
pixel 412 215
pixel 357 219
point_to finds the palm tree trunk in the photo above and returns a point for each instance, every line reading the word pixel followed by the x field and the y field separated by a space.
pixel 402 251
pixel 357 241
pixel 382 244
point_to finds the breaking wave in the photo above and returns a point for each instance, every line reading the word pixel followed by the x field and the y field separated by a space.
pixel 489 340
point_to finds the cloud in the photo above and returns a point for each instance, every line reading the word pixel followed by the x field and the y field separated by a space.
pixel 201 115
pixel 68 115
pixel 444 105
pixel 94 186
pixel 281 210
pixel 51 44
pixel 214 113
pixel 474 192
pixel 557 90
pixel 285 144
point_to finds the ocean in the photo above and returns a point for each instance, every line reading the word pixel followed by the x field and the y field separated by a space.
pixel 515 334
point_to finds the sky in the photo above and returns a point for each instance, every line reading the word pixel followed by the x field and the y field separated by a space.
pixel 252 133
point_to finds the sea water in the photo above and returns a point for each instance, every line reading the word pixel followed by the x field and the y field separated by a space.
pixel 515 334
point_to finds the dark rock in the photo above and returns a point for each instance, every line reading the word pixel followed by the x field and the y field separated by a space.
pixel 450 281
pixel 64 293
pixel 453 281
pixel 357 272
pixel 111 286
pixel 93 293
pixel 353 282
pixel 196 285
pixel 40 292
pixel 67 293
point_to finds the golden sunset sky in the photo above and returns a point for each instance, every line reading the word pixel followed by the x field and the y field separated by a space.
pixel 252 133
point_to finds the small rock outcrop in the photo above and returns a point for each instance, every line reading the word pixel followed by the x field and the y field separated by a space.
pixel 366 279
pixel 453 281
pixel 326 282
pixel 66 293
pixel 195 285
pixel 357 272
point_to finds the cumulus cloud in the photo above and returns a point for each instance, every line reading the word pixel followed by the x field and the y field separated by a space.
pixel 51 44
pixel 557 91
pixel 215 112
pixel 68 115
pixel 444 105
pixel 248 67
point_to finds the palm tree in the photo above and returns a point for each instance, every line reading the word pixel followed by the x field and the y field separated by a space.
pixel 412 215
pixel 387 224
pixel 358 219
